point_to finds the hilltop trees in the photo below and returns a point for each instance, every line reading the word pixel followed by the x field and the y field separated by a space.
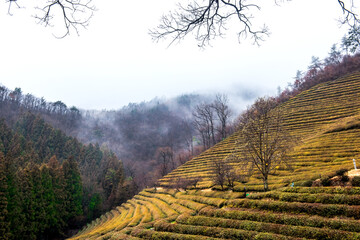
pixel 351 41
pixel 264 141
pixel 319 71
pixel 13 102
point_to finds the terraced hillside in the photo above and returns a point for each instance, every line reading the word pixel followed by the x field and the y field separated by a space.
pixel 321 117
pixel 326 118
pixel 286 213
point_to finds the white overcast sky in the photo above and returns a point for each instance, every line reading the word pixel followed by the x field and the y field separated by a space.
pixel 115 61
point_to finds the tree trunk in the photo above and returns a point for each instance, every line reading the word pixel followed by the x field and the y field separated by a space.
pixel 266 186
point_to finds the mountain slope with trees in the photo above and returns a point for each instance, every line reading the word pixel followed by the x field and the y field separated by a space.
pixel 151 138
pixel 48 183
pixel 303 202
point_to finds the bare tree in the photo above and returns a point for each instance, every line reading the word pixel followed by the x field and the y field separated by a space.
pixel 204 123
pixel 208 19
pixel 226 171
pixel 195 180
pixel 165 155
pixel 223 113
pixel 264 141
pixel 240 172
pixel 220 170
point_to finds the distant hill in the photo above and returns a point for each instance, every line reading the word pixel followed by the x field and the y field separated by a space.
pixel 326 119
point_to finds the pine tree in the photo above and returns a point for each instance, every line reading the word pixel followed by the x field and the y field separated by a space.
pixel 4 224
pixel 58 186
pixel 73 188
pixel 52 217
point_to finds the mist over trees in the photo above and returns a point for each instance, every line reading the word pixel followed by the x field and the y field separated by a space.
pixel 212 120
pixel 43 170
pixel 151 138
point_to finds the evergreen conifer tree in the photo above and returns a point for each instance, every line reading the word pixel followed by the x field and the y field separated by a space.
pixel 4 224
pixel 73 188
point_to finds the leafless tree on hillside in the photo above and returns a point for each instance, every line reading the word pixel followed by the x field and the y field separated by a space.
pixel 264 140
pixel 241 171
pixel 223 113
pixel 204 122
pixel 211 120
pixel 229 169
pixel 220 170
pixel 165 156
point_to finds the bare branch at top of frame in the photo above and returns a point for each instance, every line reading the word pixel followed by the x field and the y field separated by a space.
pixel 350 16
pixel 10 5
pixel 74 14
pixel 207 20
pixel 71 14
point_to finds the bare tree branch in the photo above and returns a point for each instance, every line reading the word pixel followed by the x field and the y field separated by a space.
pixel 350 17
pixel 73 14
pixel 10 3
pixel 207 20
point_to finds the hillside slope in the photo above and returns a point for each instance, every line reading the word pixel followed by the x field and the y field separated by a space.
pixel 311 116
pixel 327 120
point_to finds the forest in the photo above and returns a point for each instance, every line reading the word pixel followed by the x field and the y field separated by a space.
pixel 49 184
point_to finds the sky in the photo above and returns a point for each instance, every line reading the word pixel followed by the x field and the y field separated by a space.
pixel 114 61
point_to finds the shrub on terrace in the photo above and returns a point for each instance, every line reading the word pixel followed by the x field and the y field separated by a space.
pixel 355 181
pixel 325 182
pixel 344 178
pixel 307 183
pixel 341 172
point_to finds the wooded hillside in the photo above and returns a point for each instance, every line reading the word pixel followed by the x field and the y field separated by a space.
pixel 51 183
